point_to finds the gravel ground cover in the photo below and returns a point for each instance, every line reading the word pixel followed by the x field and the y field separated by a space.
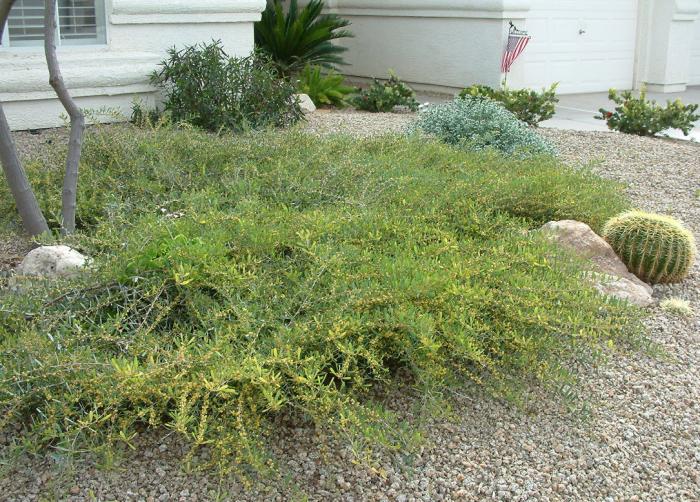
pixel 638 440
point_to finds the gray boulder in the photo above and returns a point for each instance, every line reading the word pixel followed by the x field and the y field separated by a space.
pixel 52 261
pixel 609 274
pixel 305 103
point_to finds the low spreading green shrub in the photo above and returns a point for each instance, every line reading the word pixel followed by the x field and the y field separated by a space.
pixel 529 105
pixel 478 124
pixel 122 179
pixel 295 38
pixel 324 89
pixel 638 115
pixel 205 87
pixel 240 280
pixel 386 96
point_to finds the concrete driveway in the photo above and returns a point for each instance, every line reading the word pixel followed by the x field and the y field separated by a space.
pixel 576 111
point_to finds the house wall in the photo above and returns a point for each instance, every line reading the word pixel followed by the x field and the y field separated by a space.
pixel 587 45
pixel 108 78
pixel 437 43
pixel 666 35
pixel 695 57
pixel 584 46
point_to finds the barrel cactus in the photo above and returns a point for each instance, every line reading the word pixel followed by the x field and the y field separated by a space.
pixel 654 247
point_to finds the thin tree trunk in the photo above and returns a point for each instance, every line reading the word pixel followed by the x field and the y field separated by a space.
pixel 77 120
pixel 32 218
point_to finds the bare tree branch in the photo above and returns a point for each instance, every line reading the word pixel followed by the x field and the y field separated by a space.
pixel 5 6
pixel 77 120
pixel 32 218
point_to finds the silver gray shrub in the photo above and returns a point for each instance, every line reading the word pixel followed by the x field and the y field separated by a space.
pixel 479 124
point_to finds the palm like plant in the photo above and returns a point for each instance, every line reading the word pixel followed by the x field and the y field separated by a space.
pixel 302 36
pixel 324 89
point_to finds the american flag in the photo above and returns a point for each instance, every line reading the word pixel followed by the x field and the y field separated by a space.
pixel 517 41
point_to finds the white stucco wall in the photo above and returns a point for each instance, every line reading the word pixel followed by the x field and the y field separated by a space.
pixel 695 56
pixel 666 33
pixel 113 75
pixel 438 43
pixel 584 46
pixel 587 45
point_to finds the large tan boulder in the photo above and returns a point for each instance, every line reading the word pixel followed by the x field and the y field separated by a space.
pixel 609 274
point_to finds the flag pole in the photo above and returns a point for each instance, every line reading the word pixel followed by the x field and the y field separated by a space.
pixel 516 42
pixel 510 31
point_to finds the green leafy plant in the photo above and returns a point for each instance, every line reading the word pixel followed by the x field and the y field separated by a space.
pixel 301 36
pixel 324 89
pixel 205 87
pixel 144 116
pixel 529 105
pixel 654 247
pixel 637 115
pixel 477 124
pixel 281 277
pixel 386 96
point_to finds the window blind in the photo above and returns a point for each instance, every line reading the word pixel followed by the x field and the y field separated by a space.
pixel 25 25
pixel 77 19
pixel 79 22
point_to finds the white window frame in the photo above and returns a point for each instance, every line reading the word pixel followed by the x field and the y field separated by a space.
pixel 101 9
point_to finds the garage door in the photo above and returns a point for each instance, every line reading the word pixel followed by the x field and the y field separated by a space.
pixel 586 46
pixel 695 57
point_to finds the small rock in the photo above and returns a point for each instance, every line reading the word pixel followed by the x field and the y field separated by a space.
pixel 306 104
pixel 623 289
pixel 52 261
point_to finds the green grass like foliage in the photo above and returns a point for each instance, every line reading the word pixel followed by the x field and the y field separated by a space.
pixel 243 281
pixel 530 106
pixel 474 123
pixel 654 247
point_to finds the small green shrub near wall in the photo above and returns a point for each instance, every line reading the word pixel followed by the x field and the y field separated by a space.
pixel 240 279
pixel 638 115
pixel 324 89
pixel 529 105
pixel 476 124
pixel 386 96
pixel 205 87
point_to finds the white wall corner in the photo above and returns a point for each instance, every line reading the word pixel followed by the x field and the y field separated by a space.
pixel 665 38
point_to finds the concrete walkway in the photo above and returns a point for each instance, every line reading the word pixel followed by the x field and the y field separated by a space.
pixel 576 111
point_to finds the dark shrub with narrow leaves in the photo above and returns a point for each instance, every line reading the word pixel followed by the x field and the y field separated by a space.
pixel 207 88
